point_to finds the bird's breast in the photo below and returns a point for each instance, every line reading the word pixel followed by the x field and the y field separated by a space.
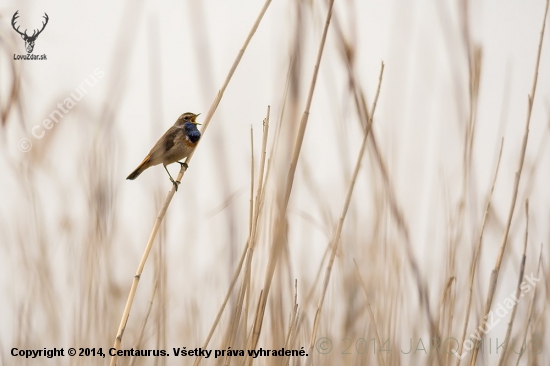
pixel 189 143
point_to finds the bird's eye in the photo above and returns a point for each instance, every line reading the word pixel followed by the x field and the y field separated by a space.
pixel 186 118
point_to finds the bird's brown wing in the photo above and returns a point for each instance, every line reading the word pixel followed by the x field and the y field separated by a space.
pixel 163 145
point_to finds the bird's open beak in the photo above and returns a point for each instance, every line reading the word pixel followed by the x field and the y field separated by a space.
pixel 195 119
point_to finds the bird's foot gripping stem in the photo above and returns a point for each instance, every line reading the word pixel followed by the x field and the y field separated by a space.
pixel 174 182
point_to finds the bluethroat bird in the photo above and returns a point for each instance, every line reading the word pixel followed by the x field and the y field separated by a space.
pixel 177 143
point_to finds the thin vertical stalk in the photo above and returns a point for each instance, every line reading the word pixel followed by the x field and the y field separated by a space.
pixel 251 244
pixel 475 260
pixel 162 213
pixel 246 251
pixel 142 332
pixel 336 239
pixel 530 314
pixel 518 289
pixel 280 226
pixel 504 241
pixel 371 313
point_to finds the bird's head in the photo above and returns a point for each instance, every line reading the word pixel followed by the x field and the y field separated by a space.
pixel 188 118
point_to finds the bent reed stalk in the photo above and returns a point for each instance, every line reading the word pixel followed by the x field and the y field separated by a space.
pixel 162 213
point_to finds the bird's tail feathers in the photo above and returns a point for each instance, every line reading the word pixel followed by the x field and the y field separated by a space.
pixel 144 165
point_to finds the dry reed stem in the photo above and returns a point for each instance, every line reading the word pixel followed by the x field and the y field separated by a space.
pixel 278 129
pixel 291 325
pixel 251 244
pixel 251 214
pixel 530 313
pixel 172 191
pixel 224 303
pixel 251 220
pixel 496 270
pixel 338 232
pixel 475 62
pixel 362 110
pixel 14 93
pixel 518 289
pixel 371 313
pixel 247 247
pixel 142 332
pixel 280 225
pixel 450 303
pixel 309 296
pixel 422 287
pixel 398 216
pixel 139 271
pixel 261 178
pixel 395 210
pixel 475 260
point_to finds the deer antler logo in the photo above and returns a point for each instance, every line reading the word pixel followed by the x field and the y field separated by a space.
pixel 29 40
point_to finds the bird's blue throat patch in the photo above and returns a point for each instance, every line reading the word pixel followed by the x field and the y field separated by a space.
pixel 192 132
